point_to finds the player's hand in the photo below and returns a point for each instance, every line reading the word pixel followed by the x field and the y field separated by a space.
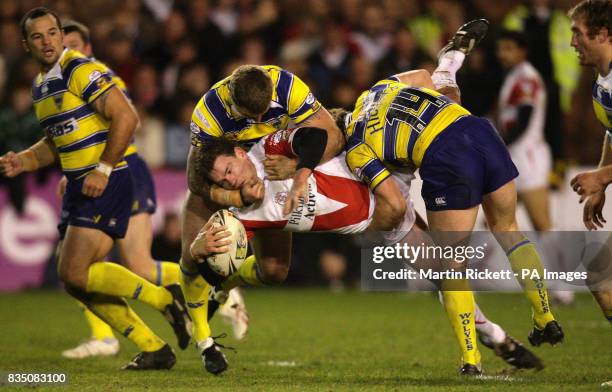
pixel 252 192
pixel 298 192
pixel 94 184
pixel 592 215
pixel 588 183
pixel 61 187
pixel 10 164
pixel 279 167
pixel 210 240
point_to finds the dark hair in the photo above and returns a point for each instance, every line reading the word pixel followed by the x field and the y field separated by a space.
pixel 209 152
pixel 597 15
pixel 251 88
pixel 35 13
pixel 72 26
pixel 339 116
pixel 515 36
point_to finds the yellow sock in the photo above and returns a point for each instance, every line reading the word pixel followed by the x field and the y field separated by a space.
pixel 117 313
pixel 195 289
pixel 460 309
pixel 246 275
pixel 115 280
pixel 165 273
pixel 524 256
pixel 99 329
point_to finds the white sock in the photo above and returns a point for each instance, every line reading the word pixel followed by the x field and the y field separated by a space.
pixel 490 330
pixel 448 65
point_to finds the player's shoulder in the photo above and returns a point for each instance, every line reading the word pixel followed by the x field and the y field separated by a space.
pixel 74 64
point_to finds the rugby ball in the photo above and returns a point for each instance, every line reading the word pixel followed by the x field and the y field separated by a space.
pixel 225 264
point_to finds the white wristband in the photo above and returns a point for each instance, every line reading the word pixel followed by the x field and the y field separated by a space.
pixel 104 168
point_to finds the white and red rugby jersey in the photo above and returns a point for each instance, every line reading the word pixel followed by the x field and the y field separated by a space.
pixel 337 200
pixel 523 86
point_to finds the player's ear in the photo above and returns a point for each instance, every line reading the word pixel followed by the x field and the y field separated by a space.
pixel 24 43
pixel 239 152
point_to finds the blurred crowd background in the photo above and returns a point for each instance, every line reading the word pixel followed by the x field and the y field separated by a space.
pixel 170 52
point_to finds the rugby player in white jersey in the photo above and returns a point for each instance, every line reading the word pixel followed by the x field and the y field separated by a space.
pixel 336 201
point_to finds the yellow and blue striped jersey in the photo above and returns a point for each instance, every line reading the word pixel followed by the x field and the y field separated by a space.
pixel 392 126
pixel 602 101
pixel 62 102
pixel 216 116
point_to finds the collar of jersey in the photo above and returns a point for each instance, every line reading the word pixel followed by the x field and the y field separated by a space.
pixel 56 71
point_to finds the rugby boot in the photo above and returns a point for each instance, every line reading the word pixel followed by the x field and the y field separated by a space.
pixel 161 359
pixel 552 333
pixel 470 370
pixel 213 358
pixel 514 353
pixel 467 37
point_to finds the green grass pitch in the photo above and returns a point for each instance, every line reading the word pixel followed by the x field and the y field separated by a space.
pixel 310 339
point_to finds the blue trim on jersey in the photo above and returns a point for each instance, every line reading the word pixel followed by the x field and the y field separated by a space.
pixel 76 113
pixel 357 137
pixel 217 110
pixel 93 87
pixel 414 135
pixel 54 86
pixel 390 132
pixel 72 66
pixel 91 140
pixel 516 246
pixel 372 169
pixel 303 109
pixel 283 87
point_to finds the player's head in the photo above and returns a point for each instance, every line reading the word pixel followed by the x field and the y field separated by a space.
pixel 511 48
pixel 250 88
pixel 341 117
pixel 591 30
pixel 41 31
pixel 225 164
pixel 76 36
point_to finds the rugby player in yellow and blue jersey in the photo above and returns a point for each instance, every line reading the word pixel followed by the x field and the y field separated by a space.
pixel 592 39
pixel 249 104
pixel 135 247
pixel 88 123
pixel 397 126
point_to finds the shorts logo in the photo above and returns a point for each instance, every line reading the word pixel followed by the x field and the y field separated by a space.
pixel 440 201
pixel 280 198
pixel 112 222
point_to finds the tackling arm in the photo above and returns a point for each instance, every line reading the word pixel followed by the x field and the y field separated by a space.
pixel 390 206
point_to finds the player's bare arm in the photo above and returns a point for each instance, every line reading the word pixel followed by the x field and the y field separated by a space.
pixel 40 154
pixel 422 78
pixel 390 206
pixel 115 107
